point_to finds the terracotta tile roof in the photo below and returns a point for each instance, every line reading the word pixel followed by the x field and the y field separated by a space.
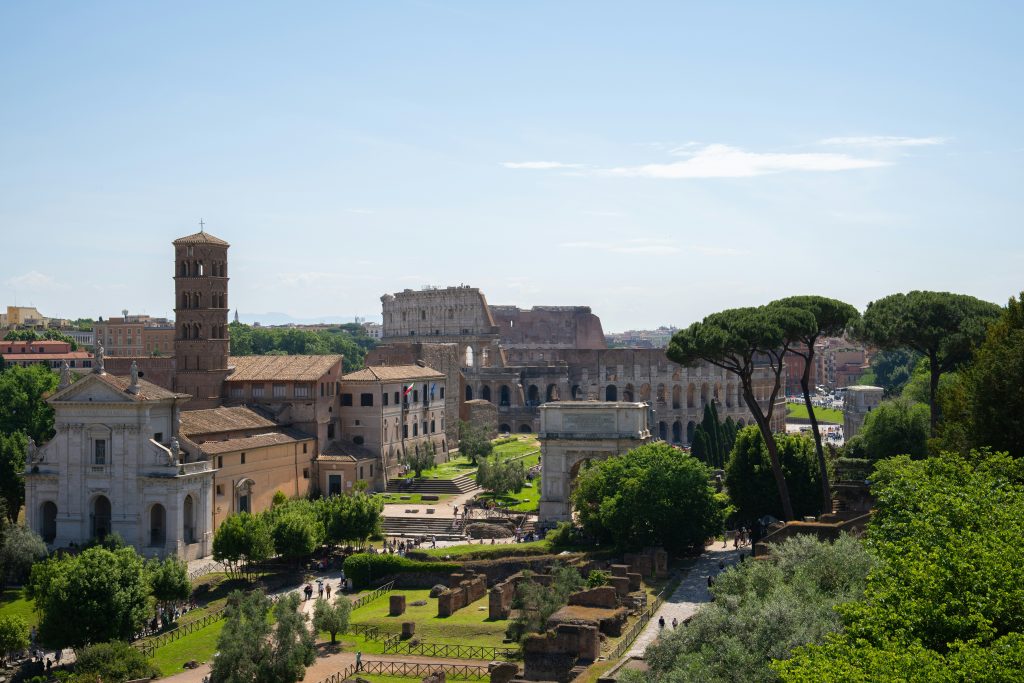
pixel 147 390
pixel 213 420
pixel 281 368
pixel 392 373
pixel 276 438
pixel 201 238
pixel 343 449
pixel 29 357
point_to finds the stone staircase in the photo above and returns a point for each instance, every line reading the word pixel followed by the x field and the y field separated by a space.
pixel 456 486
pixel 441 527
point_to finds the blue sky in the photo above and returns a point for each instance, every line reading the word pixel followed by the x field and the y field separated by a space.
pixel 656 161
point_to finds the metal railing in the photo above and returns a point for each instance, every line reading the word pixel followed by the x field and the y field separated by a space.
pixel 149 646
pixel 415 670
pixel 485 652
pixel 370 597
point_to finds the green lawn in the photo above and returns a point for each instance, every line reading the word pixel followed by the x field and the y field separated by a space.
pixel 14 603
pixel 468 626
pixel 447 470
pixel 198 645
pixel 798 410
pixel 413 498
pixel 527 500
pixel 525 444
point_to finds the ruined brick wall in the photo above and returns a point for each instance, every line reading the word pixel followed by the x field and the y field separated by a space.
pixel 549 327
pixel 551 656
pixel 482 414
pixel 465 589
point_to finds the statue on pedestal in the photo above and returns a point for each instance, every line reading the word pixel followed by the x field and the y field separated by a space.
pixel 97 362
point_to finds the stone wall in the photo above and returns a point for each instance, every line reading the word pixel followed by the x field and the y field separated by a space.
pixel 565 327
pixel 481 414
pixel 551 656
pixel 501 594
pixel 465 588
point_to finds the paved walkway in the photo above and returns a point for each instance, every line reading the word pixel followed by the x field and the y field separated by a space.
pixel 689 596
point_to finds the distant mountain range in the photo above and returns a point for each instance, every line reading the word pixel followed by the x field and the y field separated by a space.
pixel 269 319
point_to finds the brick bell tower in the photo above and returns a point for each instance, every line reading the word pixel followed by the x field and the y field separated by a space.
pixel 201 318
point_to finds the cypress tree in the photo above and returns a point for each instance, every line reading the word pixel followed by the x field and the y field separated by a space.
pixel 711 433
pixel 700 448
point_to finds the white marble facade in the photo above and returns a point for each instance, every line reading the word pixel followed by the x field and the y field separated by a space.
pixel 114 466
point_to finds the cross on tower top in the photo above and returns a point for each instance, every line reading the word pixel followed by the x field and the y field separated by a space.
pixel 201 225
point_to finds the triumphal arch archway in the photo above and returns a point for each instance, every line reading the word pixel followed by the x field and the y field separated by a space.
pixel 572 432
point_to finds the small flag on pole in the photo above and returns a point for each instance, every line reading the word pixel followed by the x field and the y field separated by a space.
pixel 407 390
pixel 433 386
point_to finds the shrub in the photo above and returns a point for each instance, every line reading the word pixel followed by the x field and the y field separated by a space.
pixel 114 662
pixel 365 568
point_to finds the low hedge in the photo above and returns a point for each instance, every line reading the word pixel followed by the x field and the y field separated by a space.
pixel 364 568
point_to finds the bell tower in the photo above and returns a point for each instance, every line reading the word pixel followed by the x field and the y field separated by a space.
pixel 201 318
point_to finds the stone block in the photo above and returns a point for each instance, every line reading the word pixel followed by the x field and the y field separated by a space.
pixel 621 585
pixel 502 672
pixel 603 596
pixel 620 569
pixel 397 605
pixel 634 581
pixel 408 629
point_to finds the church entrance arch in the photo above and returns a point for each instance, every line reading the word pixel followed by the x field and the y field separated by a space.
pixel 48 514
pixel 100 517
pixel 157 525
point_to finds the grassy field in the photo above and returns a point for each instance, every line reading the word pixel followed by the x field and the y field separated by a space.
pixel 822 414
pixel 525 444
pixel 14 603
pixel 447 470
pixel 198 645
pixel 468 626
pixel 527 500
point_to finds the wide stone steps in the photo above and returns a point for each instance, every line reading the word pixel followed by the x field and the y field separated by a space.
pixel 456 486
pixel 440 527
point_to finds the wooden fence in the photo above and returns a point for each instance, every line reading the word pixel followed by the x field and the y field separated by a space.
pixel 370 597
pixel 415 670
pixel 148 647
pixel 447 651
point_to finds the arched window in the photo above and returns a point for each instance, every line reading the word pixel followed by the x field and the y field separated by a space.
pixel 691 400
pixel 157 525
pixel 505 396
pixel 525 429
pixel 552 393
pixel 691 427
pixel 485 393
pixel 469 393
pixel 703 395
pixel 663 431
pixel 677 432
pixel 184 300
pixel 677 397
pixel 661 393
pixel 532 395
pixel 627 393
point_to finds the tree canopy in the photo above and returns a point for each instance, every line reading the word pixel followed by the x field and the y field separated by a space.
pixel 896 427
pixel 651 495
pixel 741 341
pixel 748 475
pixel 349 339
pixel 945 600
pixel 93 597
pixel 942 326
pixel 474 443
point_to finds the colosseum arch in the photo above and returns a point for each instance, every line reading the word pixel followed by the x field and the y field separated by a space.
pixel 691 427
pixel 627 393
pixel 703 395
pixel 677 397
pixel 552 393
pixel 611 393
pixel 677 432
pixel 691 396
pixel 505 396
pixel 485 393
pixel 663 431
pixel 469 393
pixel 645 392
pixel 660 396
pixel 533 395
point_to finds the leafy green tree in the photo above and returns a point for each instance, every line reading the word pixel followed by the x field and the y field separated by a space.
pixel 651 495
pixel 353 517
pixel 349 339
pixel 13 635
pixel 741 341
pixel 942 326
pixel 332 617
pixel 748 475
pixel 536 602
pixel 21 548
pixel 93 597
pixel 895 427
pixel 293 647
pixel 241 541
pixel 279 499
pixel 501 477
pixel 946 589
pixel 761 611
pixel 168 580
pixel 13 448
pixel 114 662
pixel 832 318
pixel 474 442
pixel 893 367
pixel 700 448
pixel 297 533
pixel 418 460
pixel 993 384
pixel 22 405
pixel 243 643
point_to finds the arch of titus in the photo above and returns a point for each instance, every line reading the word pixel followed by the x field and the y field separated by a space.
pixel 572 432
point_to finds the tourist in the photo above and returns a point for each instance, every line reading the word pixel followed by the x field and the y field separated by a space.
pixel 359 661
pixel 455 511
pixel 661 622
pixel 675 622
pixel 328 591
pixel 433 541
pixel 320 588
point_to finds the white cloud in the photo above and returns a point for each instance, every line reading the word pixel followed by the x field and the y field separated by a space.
pixel 538 165
pixel 723 161
pixel 882 141
pixel 34 281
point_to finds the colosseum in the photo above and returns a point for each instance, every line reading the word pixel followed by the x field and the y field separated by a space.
pixel 519 359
